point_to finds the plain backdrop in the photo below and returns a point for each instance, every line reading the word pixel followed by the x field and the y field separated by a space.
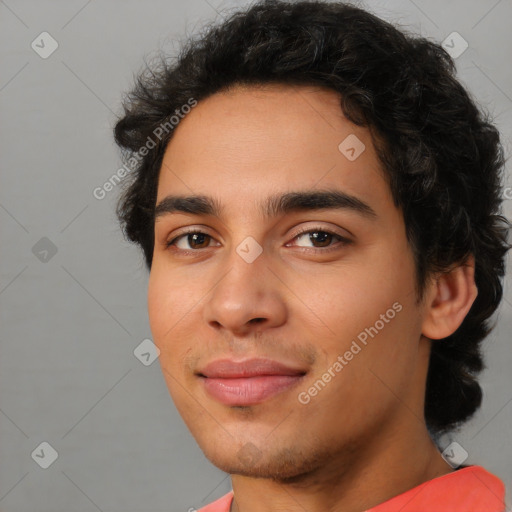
pixel 73 292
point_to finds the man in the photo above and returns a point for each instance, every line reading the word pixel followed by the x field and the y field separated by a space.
pixel 318 202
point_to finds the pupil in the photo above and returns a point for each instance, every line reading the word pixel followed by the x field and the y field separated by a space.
pixel 195 237
pixel 324 238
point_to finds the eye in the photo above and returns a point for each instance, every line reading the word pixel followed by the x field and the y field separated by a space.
pixel 320 237
pixel 194 238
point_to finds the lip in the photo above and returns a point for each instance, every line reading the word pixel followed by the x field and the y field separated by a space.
pixel 248 382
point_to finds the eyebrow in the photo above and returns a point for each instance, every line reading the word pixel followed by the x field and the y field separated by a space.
pixel 273 206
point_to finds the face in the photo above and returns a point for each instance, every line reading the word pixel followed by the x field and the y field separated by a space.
pixel 289 329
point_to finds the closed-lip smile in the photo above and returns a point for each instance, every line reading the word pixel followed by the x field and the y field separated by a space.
pixel 248 382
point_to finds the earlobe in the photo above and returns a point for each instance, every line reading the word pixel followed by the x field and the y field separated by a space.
pixel 450 298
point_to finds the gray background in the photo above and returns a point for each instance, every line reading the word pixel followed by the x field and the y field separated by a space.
pixel 70 323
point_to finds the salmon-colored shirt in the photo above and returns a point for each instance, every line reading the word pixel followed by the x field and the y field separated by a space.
pixel 468 489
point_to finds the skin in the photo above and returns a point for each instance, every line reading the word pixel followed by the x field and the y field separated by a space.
pixel 362 439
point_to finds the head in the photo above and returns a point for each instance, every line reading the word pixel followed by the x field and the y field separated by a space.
pixel 347 194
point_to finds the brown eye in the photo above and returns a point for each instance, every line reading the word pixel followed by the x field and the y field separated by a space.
pixel 321 237
pixel 198 240
pixel 318 238
pixel 194 240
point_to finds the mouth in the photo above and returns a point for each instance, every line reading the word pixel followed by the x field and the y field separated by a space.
pixel 249 382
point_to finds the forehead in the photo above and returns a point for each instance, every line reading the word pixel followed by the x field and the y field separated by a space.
pixel 253 140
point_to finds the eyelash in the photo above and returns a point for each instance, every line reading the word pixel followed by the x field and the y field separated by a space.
pixel 342 241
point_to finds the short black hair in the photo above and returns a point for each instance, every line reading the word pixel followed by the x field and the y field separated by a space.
pixel 441 153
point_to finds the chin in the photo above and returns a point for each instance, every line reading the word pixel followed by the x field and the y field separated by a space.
pixel 286 465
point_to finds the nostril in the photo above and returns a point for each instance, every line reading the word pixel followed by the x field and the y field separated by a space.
pixel 257 320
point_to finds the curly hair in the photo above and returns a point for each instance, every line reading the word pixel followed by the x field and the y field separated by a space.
pixel 441 154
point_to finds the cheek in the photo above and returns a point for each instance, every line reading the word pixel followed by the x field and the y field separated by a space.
pixel 171 303
pixel 158 305
pixel 368 314
pixel 165 309
pixel 342 303
pixel 372 382
pixel 164 321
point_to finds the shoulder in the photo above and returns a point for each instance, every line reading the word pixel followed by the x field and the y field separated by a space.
pixel 468 489
pixel 221 505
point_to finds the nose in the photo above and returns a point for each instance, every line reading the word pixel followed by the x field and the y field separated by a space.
pixel 248 297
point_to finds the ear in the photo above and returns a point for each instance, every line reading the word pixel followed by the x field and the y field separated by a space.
pixel 449 299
